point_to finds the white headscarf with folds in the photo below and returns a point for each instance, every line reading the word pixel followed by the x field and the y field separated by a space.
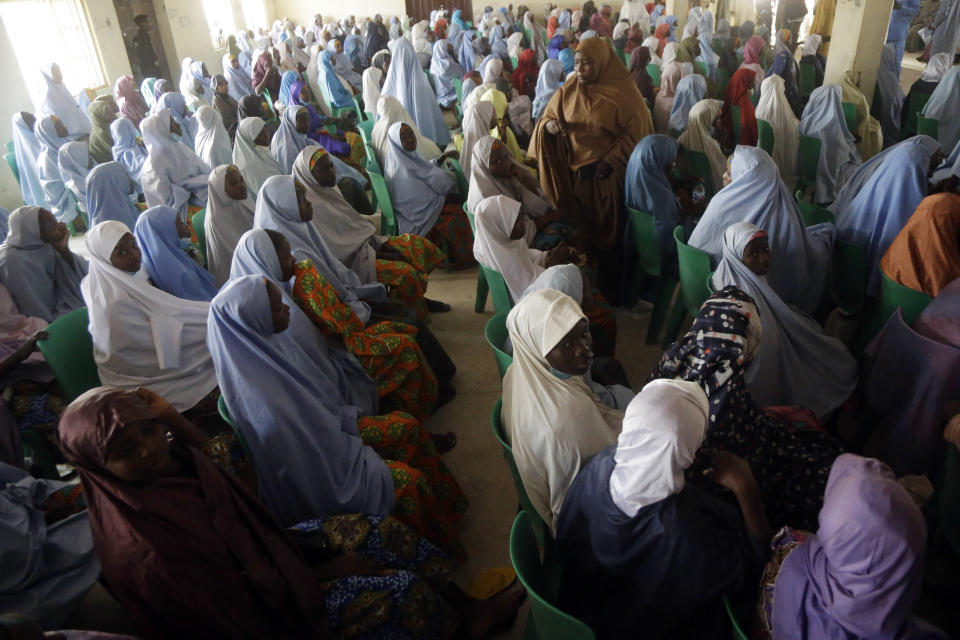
pixel 255 162
pixel 492 247
pixel 212 143
pixel 774 108
pixel 225 221
pixel 172 173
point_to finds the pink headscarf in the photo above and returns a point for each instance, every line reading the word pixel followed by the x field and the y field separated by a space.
pixel 132 106
pixel 751 50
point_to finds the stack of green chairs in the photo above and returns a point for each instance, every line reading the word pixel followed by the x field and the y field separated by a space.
pixel 809 151
pixel 928 127
pixel 388 221
pixel 648 266
pixel 766 138
pixel 916 101
pixel 694 271
pixel 808 79
pixel 496 334
pixel 850 115
pixel 198 220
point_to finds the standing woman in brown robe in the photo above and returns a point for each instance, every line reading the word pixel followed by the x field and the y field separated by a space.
pixel 582 144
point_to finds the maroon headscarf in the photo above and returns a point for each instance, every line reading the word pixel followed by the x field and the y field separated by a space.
pixel 738 93
pixel 524 77
pixel 601 24
pixel 260 69
pixel 131 104
pixel 194 555
pixel 634 39
pixel 639 60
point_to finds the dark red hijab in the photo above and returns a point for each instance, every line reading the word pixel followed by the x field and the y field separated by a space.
pixel 524 77
pixel 738 93
pixel 260 69
pixel 639 60
pixel 194 555
pixel 662 33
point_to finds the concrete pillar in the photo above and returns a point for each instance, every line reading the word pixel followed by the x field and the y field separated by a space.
pixel 678 8
pixel 859 33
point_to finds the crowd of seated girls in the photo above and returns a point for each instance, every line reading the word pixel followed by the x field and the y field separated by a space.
pixel 327 508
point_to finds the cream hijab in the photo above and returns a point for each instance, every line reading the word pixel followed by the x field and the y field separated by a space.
pixel 226 220
pixel 492 247
pixel 554 424
pixel 476 125
pixel 697 138
pixel 212 142
pixel 389 110
pixel 255 162
pixel 143 336
pixel 662 430
pixel 774 108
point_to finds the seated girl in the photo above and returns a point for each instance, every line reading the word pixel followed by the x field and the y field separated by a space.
pixel 59 200
pixel 251 154
pixel 389 111
pixel 37 267
pixel 554 422
pixel 796 363
pixel 925 255
pixel 176 104
pixel 790 462
pixel 143 336
pixel 859 575
pixel 173 175
pixel 74 162
pixel 128 148
pixel 823 119
pixel 317 129
pixel 444 68
pixel 402 263
pixel 109 189
pixel 639 547
pixel 703 135
pixel 494 172
pixel 811 55
pixel 315 451
pixel 424 197
pixel 198 533
pixel 229 215
pixel 163 237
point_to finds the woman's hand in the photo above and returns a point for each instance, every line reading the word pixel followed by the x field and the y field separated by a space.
pixel 730 471
pixel 561 254
pixel 552 127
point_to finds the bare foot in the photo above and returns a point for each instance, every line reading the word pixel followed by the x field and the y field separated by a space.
pixel 484 618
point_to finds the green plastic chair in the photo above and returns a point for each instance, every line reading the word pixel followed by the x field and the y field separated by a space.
pixel 625 57
pixel 496 334
pixel 811 213
pixel 498 289
pixel 372 165
pixel 654 72
pixel 916 101
pixel 737 632
pixel 222 408
pixel 850 115
pixel 269 100
pixel 388 221
pixel 545 620
pixel 9 146
pixel 808 150
pixel 514 60
pixel 808 78
pixel 645 240
pixel 928 126
pixel 11 159
pixel 737 125
pixel 694 271
pixel 463 186
pixel 458 85
pixel 723 79
pixel 894 295
pixel 849 273
pixel 698 164
pixel 765 138
pixel 42 454
pixel 482 287
pixel 69 352
pixel 337 112
pixel 700 67
pixel 366 131
pixel 198 228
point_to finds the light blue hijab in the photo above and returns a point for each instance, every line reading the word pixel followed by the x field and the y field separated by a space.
pixel 886 201
pixel 468 57
pixel 823 119
pixel 282 395
pixel 287 142
pixel 125 149
pixel 949 167
pixel 327 78
pixel 649 190
pixel 407 83
pixel 549 82
pixel 286 81
pixel 566 58
pixel 444 69
pixel 277 209
pixel 418 188
pixel 196 70
pixel 4 223
pixel 942 106
pixel 177 105
pixel 26 148
pixel 758 195
pixel 56 197
pixel 165 261
pixel 690 90
pixel 891 94
pixel 108 195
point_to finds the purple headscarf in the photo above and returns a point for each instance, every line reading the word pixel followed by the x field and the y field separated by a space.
pixel 861 574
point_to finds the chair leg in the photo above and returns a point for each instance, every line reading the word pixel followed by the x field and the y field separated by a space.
pixel 673 326
pixel 482 289
pixel 661 306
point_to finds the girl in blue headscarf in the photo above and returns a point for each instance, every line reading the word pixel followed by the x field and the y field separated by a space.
pixel 444 68
pixel 286 82
pixel 108 195
pixel 127 150
pixel 548 82
pixel 333 89
pixel 163 236
pixel 648 189
pixel 823 119
pixel 466 54
pixel 690 90
pixel 352 49
pixel 407 83
pixel 177 105
pixel 57 198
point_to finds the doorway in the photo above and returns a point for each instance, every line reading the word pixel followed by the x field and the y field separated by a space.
pixel 420 9
pixel 142 38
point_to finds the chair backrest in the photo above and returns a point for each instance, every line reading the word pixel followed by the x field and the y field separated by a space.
pixel 694 270
pixel 366 131
pixel 463 185
pixel 372 165
pixel 458 85
pixel 11 159
pixel 809 151
pixel 549 620
pixel 849 273
pixel 737 125
pixel 654 72
pixel 496 423
pixel 723 79
pixel 645 240
pixel 811 213
pixel 470 218
pixel 201 232
pixel 893 295
pixel 738 633
pixel 698 164
pixel 916 101
pixel 850 115
pixel 700 67
pixel 10 146
pixel 388 221
pixel 498 289
pixel 496 334
pixel 69 352
pixel 514 60
pixel 928 127
pixel 625 57
pixel 766 137
pixel 808 78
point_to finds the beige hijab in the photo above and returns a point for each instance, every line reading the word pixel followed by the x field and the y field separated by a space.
pixel 697 138
pixel 775 109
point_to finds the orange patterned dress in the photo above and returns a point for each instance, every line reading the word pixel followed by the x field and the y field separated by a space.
pixel 407 281
pixel 388 351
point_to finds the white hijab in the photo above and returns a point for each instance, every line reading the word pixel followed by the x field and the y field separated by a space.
pixel 697 137
pixel 662 430
pixel 774 108
pixel 652 45
pixel 634 12
pixel 811 45
pixel 255 162
pixel 143 336
pixel 938 66
pixel 554 424
pixel 212 143
pixel 172 173
pixel 483 184
pixel 371 82
pixel 492 247
pixel 57 101
pixel 389 110
pixel 476 125
pixel 226 220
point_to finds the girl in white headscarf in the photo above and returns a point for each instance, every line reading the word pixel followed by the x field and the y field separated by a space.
pixel 536 35
pixel 251 154
pixel 421 46
pixel 173 175
pixel 699 137
pixel 477 123
pixel 775 109
pixel 390 111
pixel 52 135
pixel 635 13
pixel 373 78
pixel 212 142
pixel 57 101
pixel 797 364
pixel 143 336
pixel 553 420
pixel 653 45
pixel 229 215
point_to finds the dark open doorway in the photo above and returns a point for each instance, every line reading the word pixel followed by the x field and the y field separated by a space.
pixel 141 36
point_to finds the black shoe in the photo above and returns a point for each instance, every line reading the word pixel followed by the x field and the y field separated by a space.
pixel 435 306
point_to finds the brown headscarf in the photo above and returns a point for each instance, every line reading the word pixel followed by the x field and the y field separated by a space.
pixel 925 255
pixel 102 113
pixel 193 555
pixel 639 60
